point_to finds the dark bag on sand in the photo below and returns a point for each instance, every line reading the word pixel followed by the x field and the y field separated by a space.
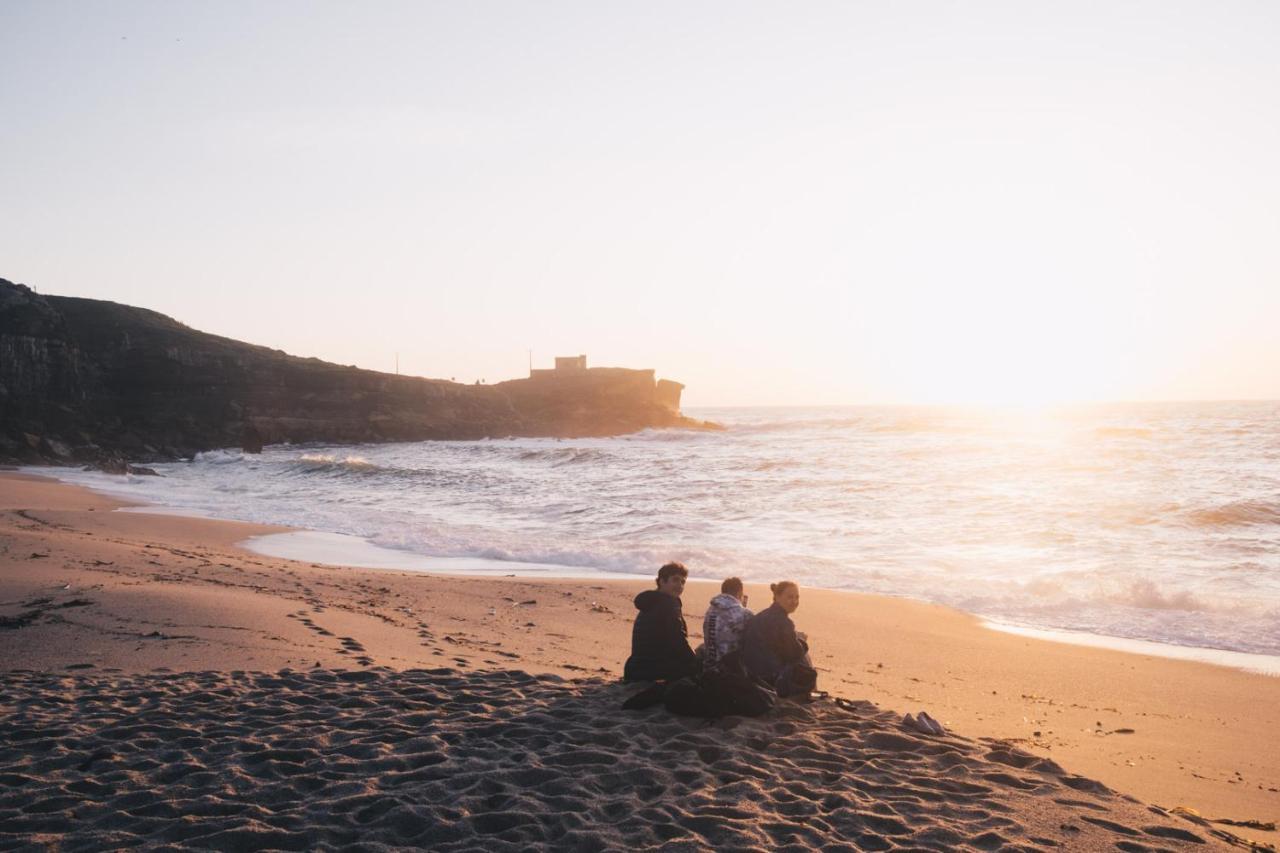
pixel 646 698
pixel 717 694
pixel 796 678
pixel 739 693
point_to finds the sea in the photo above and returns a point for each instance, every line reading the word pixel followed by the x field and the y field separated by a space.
pixel 1153 524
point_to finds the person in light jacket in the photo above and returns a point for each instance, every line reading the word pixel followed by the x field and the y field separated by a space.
pixel 722 627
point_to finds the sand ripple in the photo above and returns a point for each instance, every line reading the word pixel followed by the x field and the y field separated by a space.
pixel 506 761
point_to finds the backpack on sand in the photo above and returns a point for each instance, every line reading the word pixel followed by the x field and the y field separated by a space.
pixel 718 693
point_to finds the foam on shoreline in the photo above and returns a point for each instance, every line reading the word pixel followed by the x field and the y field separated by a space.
pixel 344 550
pixel 339 549
pixel 1261 664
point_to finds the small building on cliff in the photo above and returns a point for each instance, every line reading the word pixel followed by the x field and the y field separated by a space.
pixel 566 365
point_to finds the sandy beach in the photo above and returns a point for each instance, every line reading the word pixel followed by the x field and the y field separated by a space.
pixel 163 684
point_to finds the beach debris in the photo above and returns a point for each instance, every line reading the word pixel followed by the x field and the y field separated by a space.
pixel 923 723
pixel 35 556
pixel 596 607
pixel 528 602
pixel 1265 826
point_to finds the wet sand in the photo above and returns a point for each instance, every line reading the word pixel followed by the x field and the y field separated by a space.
pixel 110 619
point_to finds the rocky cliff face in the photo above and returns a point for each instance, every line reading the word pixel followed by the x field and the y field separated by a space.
pixel 92 381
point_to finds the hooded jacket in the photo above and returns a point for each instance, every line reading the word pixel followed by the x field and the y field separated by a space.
pixel 722 628
pixel 659 640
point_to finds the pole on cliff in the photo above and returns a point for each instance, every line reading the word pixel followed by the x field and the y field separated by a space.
pixel 397 364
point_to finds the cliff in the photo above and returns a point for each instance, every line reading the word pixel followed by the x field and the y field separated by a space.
pixel 92 381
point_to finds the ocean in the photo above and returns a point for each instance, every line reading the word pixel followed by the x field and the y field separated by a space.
pixel 1153 522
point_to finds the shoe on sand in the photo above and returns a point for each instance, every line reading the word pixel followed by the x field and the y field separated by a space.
pixel 935 727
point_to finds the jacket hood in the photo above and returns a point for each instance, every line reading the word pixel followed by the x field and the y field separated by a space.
pixel 725 601
pixel 651 599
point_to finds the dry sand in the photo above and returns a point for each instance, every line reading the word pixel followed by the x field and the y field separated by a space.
pixel 136 705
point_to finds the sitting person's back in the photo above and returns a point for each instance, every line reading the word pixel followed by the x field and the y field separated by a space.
pixel 660 638
pixel 722 626
pixel 773 651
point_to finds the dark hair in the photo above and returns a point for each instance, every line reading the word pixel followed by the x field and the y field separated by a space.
pixel 782 586
pixel 672 568
pixel 733 586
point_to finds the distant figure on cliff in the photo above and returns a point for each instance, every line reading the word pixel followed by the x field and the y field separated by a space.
pixel 722 627
pixel 660 638
pixel 774 651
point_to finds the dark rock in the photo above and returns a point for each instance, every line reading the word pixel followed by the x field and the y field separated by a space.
pixel 116 382
pixel 142 471
pixel 53 447
pixel 250 438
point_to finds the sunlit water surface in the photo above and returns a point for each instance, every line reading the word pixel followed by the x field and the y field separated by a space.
pixel 1154 522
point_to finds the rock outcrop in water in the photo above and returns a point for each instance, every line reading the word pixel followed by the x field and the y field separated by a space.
pixel 83 380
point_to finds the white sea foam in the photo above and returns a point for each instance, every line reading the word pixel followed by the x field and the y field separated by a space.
pixel 1157 523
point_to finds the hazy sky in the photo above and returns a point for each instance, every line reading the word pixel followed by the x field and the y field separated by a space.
pixel 773 203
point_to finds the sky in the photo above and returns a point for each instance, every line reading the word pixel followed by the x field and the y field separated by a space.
pixel 775 203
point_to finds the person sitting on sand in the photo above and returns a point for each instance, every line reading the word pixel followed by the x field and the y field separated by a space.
pixel 773 650
pixel 660 638
pixel 722 627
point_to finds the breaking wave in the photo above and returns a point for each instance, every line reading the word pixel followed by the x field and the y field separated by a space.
pixel 1122 432
pixel 564 456
pixel 1237 513
pixel 329 462
pixel 1151 522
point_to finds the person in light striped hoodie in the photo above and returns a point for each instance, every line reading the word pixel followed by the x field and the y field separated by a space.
pixel 727 614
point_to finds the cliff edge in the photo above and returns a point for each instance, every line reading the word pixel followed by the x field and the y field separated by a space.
pixel 90 381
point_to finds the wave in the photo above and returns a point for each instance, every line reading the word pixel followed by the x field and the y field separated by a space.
pixel 666 434
pixel 903 425
pixel 328 462
pixel 1146 595
pixel 1123 432
pixel 1236 513
pixel 564 456
pixel 219 457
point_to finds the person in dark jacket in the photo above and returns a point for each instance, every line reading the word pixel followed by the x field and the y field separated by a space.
pixel 660 639
pixel 773 650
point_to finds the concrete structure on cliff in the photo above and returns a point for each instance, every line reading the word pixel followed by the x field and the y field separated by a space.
pixel 565 364
pixel 572 371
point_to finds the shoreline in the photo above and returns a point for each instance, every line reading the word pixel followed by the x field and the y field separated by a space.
pixel 340 549
pixel 138 592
